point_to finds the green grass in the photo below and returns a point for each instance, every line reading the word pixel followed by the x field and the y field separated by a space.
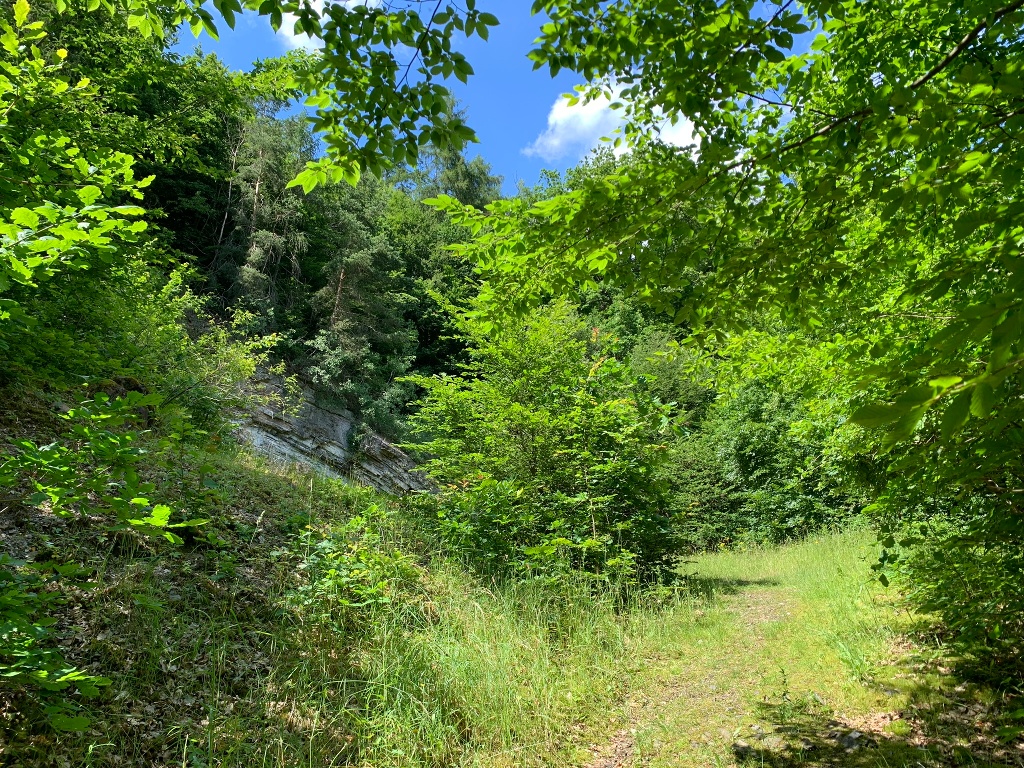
pixel 242 649
pixel 800 651
pixel 310 625
pixel 787 630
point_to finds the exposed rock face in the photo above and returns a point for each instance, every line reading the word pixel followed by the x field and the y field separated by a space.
pixel 321 437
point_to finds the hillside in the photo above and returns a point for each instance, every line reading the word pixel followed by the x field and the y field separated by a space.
pixel 703 449
pixel 311 625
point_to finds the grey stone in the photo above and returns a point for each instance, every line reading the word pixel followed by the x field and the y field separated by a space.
pixel 319 436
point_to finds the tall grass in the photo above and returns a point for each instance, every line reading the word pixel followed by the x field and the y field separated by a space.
pixel 235 654
pixel 479 673
pixel 496 671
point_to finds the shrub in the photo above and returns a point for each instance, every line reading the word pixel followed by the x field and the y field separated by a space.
pixel 546 457
pixel 756 470
pixel 964 566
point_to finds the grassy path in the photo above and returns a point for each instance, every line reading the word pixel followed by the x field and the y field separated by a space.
pixel 793 664
pixel 225 657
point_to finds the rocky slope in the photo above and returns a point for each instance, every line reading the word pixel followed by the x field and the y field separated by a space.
pixel 321 437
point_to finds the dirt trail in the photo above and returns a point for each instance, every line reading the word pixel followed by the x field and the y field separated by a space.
pixel 761 680
pixel 708 687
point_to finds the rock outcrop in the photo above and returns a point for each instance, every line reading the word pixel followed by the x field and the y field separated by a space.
pixel 321 437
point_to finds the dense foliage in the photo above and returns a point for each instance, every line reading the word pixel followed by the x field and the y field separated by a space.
pixel 756 471
pixel 854 179
pixel 812 311
pixel 353 279
pixel 155 254
pixel 547 456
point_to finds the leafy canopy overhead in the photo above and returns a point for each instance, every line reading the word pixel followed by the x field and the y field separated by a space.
pixel 376 104
pixel 810 118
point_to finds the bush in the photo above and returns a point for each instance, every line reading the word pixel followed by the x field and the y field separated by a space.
pixel 954 542
pixel 958 570
pixel 547 459
pixel 756 470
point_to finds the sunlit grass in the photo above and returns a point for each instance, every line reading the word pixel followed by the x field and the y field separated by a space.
pixel 215 664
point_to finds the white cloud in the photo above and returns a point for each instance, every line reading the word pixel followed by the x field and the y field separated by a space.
pixel 574 129
pixel 577 129
pixel 679 135
pixel 292 39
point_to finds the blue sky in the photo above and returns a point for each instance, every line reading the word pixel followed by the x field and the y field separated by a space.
pixel 517 113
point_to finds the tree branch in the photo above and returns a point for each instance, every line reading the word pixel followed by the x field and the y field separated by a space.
pixel 969 38
pixel 422 39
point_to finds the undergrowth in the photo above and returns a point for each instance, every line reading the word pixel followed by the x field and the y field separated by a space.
pixel 314 623
pixel 307 624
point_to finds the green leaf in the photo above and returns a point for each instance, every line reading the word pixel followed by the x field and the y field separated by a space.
pixel 904 427
pixel 193 523
pixel 160 516
pixel 128 210
pixel 943 383
pixel 70 724
pixel 89 194
pixel 307 179
pixel 916 395
pixel 877 415
pixel 1008 733
pixel 956 415
pixel 25 217
pixel 21 10
pixel 971 161
pixel 983 399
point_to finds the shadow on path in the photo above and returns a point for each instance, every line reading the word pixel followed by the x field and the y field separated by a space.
pixel 933 731
pixel 710 588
